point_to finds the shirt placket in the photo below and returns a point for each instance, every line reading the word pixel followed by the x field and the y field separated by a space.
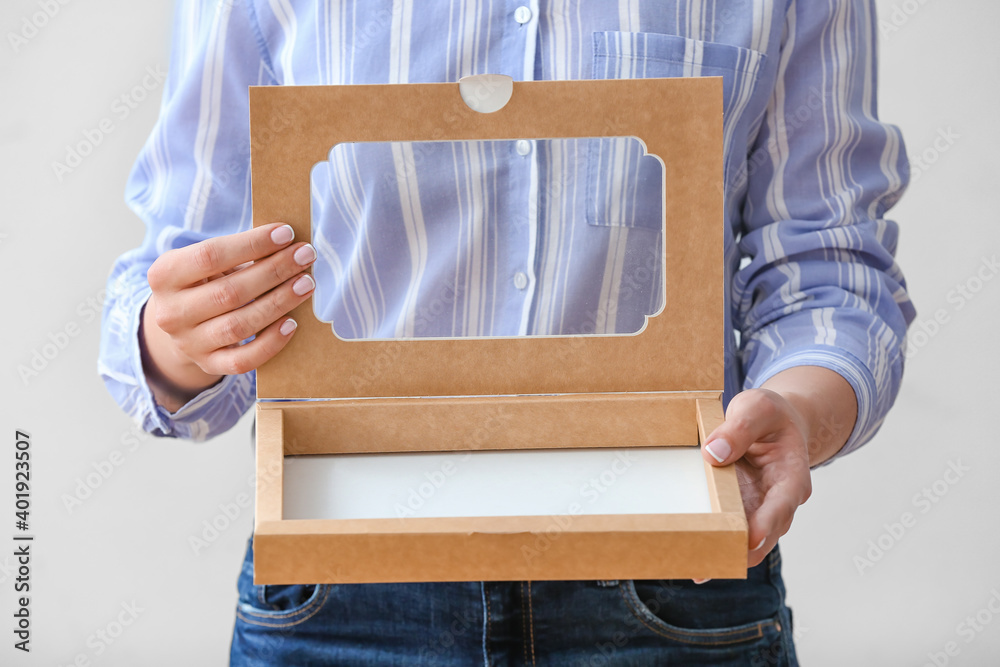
pixel 520 29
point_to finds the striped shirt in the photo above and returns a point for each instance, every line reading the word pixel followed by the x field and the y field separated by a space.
pixel 556 237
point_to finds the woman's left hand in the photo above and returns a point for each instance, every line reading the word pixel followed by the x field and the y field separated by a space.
pixel 766 437
pixel 798 418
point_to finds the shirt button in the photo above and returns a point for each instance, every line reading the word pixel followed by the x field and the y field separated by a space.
pixel 522 14
pixel 523 147
pixel 520 280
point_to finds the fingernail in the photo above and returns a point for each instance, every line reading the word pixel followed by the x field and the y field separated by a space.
pixel 283 235
pixel 288 326
pixel 719 449
pixel 304 255
pixel 303 285
pixel 760 545
pixel 700 581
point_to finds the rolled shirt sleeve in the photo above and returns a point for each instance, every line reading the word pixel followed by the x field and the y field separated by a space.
pixel 190 182
pixel 819 284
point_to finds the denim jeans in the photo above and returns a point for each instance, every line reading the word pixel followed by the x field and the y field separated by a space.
pixel 586 623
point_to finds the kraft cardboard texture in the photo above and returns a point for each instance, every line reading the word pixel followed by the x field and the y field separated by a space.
pixel 518 548
pixel 679 120
pixel 493 422
pixel 659 387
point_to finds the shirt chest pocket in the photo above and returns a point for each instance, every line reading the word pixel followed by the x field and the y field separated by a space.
pixel 623 189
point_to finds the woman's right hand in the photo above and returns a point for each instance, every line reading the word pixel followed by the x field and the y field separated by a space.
pixel 210 296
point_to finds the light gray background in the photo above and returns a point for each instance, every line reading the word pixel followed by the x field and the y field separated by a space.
pixel 129 541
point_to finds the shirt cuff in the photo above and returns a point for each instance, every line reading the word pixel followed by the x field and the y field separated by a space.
pixel 851 369
pixel 200 418
pixel 194 419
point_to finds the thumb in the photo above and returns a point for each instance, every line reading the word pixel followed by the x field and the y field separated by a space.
pixel 752 416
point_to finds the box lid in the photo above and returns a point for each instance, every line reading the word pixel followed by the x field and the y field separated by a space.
pixel 678 120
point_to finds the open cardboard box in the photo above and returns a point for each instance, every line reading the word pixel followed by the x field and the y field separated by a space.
pixel 659 388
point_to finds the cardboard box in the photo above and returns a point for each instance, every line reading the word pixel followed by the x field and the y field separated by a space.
pixel 660 387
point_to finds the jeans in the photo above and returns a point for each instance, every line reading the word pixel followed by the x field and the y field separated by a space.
pixel 586 623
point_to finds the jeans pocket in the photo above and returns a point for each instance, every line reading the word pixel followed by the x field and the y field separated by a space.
pixel 750 637
pixel 277 606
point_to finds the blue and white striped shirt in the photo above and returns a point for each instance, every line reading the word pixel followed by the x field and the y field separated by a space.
pixel 809 174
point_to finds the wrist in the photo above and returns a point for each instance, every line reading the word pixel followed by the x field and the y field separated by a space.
pixel 825 404
pixel 173 378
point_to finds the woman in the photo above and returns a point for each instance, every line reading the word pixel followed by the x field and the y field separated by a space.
pixel 818 301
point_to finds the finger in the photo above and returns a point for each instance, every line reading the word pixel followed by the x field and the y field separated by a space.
pixel 233 270
pixel 765 527
pixel 191 264
pixel 235 326
pixel 790 486
pixel 752 416
pixel 245 358
pixel 229 293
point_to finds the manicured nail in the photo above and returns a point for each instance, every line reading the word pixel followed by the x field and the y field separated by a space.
pixel 700 581
pixel 760 545
pixel 283 235
pixel 288 326
pixel 304 255
pixel 719 449
pixel 303 285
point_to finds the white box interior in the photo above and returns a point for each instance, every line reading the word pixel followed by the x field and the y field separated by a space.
pixel 646 480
